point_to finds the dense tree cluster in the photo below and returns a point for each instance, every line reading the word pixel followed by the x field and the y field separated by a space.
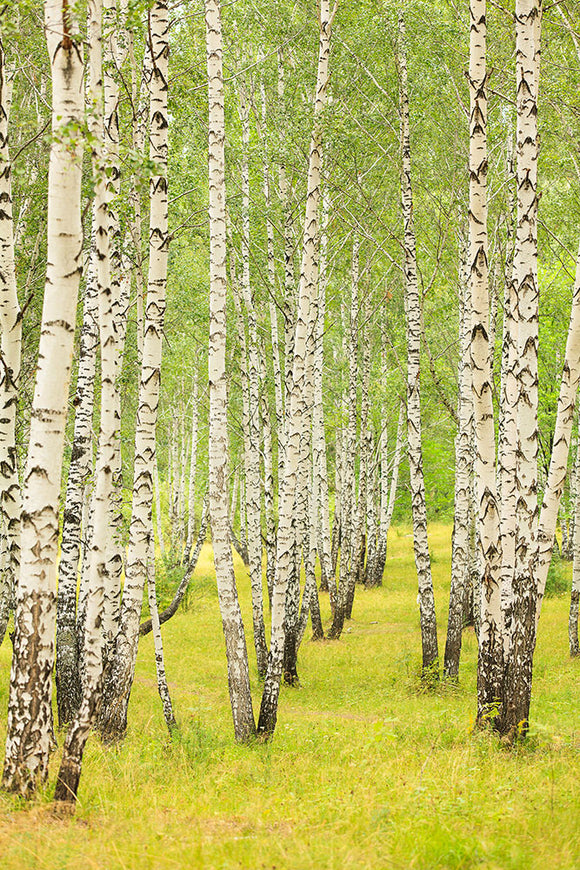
pixel 356 311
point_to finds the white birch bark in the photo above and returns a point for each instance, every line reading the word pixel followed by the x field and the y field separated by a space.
pixel 396 466
pixel 490 634
pixel 272 307
pixel 368 570
pixel 68 684
pixel 575 594
pixel 560 448
pixel 11 344
pixel 158 518
pixel 319 460
pixel 162 685
pixel 29 733
pixel 347 483
pixel 518 676
pixel 115 45
pixel 359 525
pixel 113 721
pixel 236 651
pixel 269 510
pixel 192 466
pixel 365 441
pixel 461 530
pixel 301 377
pixel 426 598
pixel 252 444
pixel 388 491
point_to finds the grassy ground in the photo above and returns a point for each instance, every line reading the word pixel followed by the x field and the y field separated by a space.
pixel 365 771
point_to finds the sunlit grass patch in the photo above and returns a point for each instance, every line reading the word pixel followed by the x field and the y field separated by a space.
pixel 366 769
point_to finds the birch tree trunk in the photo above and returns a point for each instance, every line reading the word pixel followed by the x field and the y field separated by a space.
pixel 115 52
pixel 268 489
pixel 192 467
pixel 253 501
pixel 29 733
pixel 319 460
pixel 11 344
pixel 461 530
pixel 68 682
pixel 272 307
pixel 490 659
pixel 158 520
pixel 113 721
pixel 236 651
pixel 561 446
pixel 575 594
pixel 518 675
pixel 162 685
pixel 301 377
pixel 347 483
pixel 415 450
pixel 359 538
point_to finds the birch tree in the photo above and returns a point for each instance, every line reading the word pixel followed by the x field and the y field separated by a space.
pixel 236 650
pixel 300 378
pixel 113 720
pixel 430 651
pixel 461 525
pixel 10 343
pixel 29 732
pixel 518 674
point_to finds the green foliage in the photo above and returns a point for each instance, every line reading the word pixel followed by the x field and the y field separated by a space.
pixel 558 582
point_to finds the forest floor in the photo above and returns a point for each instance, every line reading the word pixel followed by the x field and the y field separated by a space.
pixel 366 770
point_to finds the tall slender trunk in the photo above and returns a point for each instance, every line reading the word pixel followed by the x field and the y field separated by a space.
pixel 192 467
pixel 253 501
pixel 158 519
pixel 29 733
pixel 115 46
pixel 301 378
pixel 113 721
pixel 518 674
pixel 319 459
pixel 162 685
pixel 415 449
pixel 460 548
pixel 347 484
pixel 558 468
pixel 272 307
pixel 575 593
pixel 68 678
pixel 489 672
pixel 388 495
pixel 268 488
pixel 11 344
pixel 236 651
pixel 359 538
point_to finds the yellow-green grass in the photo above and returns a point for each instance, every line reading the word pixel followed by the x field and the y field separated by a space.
pixel 365 770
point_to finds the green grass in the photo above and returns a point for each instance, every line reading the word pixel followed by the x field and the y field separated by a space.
pixel 365 771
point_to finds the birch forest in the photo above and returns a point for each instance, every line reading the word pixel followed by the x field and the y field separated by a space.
pixel 289 436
